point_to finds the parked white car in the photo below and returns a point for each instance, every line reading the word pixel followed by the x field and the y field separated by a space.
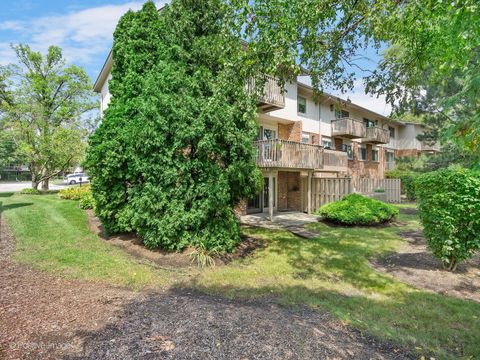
pixel 75 178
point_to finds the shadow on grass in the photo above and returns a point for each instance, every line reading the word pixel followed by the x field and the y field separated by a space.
pixel 6 194
pixel 12 206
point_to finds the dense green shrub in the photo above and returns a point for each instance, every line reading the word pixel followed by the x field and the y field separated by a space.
pixel 173 155
pixel 449 208
pixel 74 193
pixel 87 201
pixel 408 185
pixel 356 209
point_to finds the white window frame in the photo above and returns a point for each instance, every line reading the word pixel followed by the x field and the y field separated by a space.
pixel 298 104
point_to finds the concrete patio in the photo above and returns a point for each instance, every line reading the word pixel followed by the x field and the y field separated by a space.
pixel 292 221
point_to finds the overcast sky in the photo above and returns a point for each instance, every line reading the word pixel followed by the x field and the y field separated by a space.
pixel 84 28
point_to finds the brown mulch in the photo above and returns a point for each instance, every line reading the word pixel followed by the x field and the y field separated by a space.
pixel 40 314
pixel 414 264
pixel 46 317
pixel 134 246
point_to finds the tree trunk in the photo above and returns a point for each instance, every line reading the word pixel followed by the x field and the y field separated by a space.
pixel 45 184
pixel 34 184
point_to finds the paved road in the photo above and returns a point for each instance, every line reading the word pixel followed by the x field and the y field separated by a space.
pixel 18 186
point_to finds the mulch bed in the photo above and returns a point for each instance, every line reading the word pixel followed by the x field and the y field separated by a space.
pixel 46 317
pixel 415 265
pixel 135 247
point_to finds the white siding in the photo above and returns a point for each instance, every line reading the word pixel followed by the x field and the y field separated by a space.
pixel 105 95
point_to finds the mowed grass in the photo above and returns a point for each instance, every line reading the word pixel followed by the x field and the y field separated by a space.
pixel 332 272
pixel 53 235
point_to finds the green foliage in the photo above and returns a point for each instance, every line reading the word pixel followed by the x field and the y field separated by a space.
pixel 408 185
pixel 87 201
pixel 42 102
pixel 74 193
pixel 9 150
pixel 30 191
pixel 379 190
pixel 449 208
pixel 173 155
pixel 356 209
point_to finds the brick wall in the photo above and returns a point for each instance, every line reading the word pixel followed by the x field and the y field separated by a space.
pixel 289 197
pixel 364 169
pixel 292 132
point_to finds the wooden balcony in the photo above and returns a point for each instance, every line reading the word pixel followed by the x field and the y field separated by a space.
pixel 430 147
pixel 272 97
pixel 335 161
pixel 295 155
pixel 348 128
pixel 288 154
pixel 376 135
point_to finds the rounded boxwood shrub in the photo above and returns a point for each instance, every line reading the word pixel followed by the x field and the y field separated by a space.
pixel 356 209
pixel 449 208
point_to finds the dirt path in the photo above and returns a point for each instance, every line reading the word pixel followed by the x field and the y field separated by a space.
pixel 45 317
pixel 415 265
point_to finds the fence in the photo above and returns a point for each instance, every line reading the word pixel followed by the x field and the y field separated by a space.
pixel 391 187
pixel 326 190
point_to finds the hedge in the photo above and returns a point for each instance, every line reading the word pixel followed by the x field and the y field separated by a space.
pixel 449 208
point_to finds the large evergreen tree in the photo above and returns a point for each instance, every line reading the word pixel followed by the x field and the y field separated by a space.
pixel 173 155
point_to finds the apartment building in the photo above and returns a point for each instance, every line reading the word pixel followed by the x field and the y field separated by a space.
pixel 303 136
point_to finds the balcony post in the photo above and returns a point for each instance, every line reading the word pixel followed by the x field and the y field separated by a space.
pixel 309 193
pixel 270 197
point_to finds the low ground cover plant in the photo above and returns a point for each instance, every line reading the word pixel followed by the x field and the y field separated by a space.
pixel 449 208
pixel 81 193
pixel 31 191
pixel 356 209
pixel 74 193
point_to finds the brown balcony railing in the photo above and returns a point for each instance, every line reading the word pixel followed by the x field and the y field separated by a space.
pixel 335 160
pixel 348 128
pixel 377 135
pixel 428 146
pixel 288 154
pixel 272 97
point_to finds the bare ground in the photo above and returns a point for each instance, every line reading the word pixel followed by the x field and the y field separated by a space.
pixel 415 265
pixel 45 317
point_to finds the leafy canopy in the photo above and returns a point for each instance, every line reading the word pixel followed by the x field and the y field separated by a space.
pixel 173 155
pixel 42 101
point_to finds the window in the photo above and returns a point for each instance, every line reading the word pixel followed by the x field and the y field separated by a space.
pixel 362 153
pixel 302 105
pixel 390 160
pixel 327 143
pixel 305 138
pixel 348 149
pixel 392 132
pixel 374 153
pixel 341 114
pixel 368 123
pixel 269 134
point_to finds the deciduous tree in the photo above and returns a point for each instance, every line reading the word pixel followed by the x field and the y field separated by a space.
pixel 42 102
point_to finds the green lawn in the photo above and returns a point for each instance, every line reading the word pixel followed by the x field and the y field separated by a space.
pixel 53 235
pixel 330 272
